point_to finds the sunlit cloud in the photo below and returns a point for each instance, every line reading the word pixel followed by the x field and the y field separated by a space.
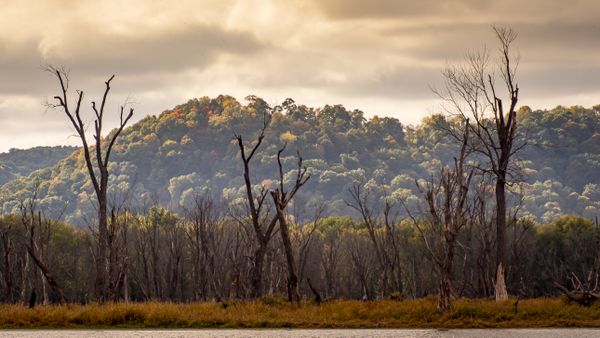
pixel 377 56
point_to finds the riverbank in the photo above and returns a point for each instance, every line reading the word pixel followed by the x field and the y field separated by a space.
pixel 275 313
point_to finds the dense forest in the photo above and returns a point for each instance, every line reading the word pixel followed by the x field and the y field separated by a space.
pixel 22 162
pixel 167 159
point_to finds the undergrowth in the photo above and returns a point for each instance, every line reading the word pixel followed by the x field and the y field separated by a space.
pixel 277 313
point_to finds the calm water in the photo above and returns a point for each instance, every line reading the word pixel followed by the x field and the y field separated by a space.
pixel 469 333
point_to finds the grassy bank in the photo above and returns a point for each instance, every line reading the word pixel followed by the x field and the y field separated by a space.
pixel 274 314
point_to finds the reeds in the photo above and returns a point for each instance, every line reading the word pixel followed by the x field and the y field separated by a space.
pixel 419 313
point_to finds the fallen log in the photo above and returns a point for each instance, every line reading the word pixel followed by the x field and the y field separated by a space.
pixel 585 298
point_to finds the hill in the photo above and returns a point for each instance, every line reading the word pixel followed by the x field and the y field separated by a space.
pixel 22 162
pixel 170 157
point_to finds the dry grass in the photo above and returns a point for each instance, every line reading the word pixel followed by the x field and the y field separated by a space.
pixel 335 314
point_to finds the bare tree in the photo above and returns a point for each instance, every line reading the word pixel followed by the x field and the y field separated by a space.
pixel 118 257
pixel 201 234
pixel 330 258
pixel 471 91
pixel 256 203
pixel 386 246
pixel 100 177
pixel 482 226
pixel 281 198
pixel 304 236
pixel 446 205
pixel 33 222
pixel 7 260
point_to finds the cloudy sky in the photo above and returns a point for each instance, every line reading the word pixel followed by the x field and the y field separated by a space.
pixel 379 56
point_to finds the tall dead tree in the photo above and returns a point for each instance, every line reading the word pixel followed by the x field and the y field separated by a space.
pixel 100 177
pixel 281 198
pixel 471 91
pixel 445 215
pixel 256 203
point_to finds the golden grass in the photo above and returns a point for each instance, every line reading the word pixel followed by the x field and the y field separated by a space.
pixel 275 314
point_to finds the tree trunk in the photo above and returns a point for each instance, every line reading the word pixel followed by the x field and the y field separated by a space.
pixel 100 281
pixel 7 246
pixel 445 286
pixel 444 289
pixel 25 278
pixel 500 287
pixel 293 293
pixel 256 282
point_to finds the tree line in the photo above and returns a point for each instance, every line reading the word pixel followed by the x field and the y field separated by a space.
pixel 207 255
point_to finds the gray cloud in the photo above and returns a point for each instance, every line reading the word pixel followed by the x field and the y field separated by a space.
pixel 356 9
pixel 140 61
pixel 560 81
pixel 20 66
pixel 456 11
pixel 402 83
pixel 377 56
pixel 192 46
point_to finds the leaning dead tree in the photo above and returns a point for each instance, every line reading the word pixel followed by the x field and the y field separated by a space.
pixel 471 91
pixel 33 221
pixel 97 167
pixel 446 204
pixel 281 198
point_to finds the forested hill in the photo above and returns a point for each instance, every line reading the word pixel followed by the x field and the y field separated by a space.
pixel 22 162
pixel 189 149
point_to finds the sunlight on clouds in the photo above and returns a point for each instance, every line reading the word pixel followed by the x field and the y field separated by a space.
pixel 378 56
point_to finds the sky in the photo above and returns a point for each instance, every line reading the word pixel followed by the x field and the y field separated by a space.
pixel 379 56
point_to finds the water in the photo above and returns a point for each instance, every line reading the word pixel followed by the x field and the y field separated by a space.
pixel 298 333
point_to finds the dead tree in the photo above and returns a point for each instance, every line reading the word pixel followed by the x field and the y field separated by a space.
pixel 585 298
pixel 373 222
pixel 446 213
pixel 482 226
pixel 391 243
pixel 472 93
pixel 100 177
pixel 586 290
pixel 204 218
pixel 305 235
pixel 330 258
pixel 118 257
pixel 7 258
pixel 256 203
pixel 281 198
pixel 32 221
